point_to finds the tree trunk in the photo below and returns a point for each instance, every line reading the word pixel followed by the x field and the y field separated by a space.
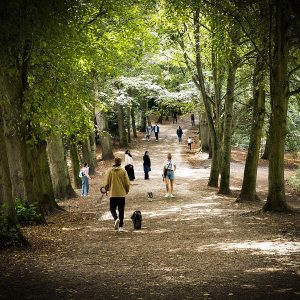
pixel 8 216
pixel 42 184
pixel 93 153
pixel 225 169
pixel 204 133
pixel 6 197
pixel 144 108
pixel 104 135
pixel 59 170
pixel 121 126
pixel 133 125
pixel 75 163
pixel 88 155
pixel 128 125
pixel 248 191
pixel 266 153
pixel 199 81
pixel 279 102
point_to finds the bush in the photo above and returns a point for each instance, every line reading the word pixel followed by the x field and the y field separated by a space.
pixel 295 181
pixel 28 213
pixel 10 234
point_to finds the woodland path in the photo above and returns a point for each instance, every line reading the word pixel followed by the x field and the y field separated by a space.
pixel 198 245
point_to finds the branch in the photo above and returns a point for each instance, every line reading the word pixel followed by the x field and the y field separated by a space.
pixel 294 92
pixel 293 71
pixel 98 15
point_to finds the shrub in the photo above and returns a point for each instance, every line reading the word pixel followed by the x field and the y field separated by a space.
pixel 28 213
pixel 10 234
pixel 295 181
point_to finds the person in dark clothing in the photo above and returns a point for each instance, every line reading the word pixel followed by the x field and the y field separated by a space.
pixel 174 115
pixel 146 164
pixel 193 119
pixel 179 135
pixel 155 128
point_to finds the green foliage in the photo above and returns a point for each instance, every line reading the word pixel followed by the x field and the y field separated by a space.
pixel 295 181
pixel 28 213
pixel 293 124
pixel 10 234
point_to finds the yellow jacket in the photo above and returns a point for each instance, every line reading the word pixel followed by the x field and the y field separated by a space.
pixel 117 182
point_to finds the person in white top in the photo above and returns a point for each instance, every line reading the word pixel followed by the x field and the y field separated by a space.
pixel 189 142
pixel 168 175
pixel 85 180
pixel 129 167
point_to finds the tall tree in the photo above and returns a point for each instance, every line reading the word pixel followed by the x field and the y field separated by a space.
pixel 59 170
pixel 276 200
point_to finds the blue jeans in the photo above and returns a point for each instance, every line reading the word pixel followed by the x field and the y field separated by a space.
pixel 85 186
pixel 179 138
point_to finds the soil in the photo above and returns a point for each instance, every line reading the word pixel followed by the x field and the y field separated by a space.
pixel 198 245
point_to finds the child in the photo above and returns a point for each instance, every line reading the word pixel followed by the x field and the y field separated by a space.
pixel 189 142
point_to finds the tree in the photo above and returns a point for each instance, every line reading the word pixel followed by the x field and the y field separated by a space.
pixel 59 170
pixel 276 200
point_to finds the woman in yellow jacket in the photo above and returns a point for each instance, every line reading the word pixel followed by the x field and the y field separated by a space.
pixel 118 184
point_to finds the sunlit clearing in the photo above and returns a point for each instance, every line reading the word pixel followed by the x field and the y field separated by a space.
pixel 280 247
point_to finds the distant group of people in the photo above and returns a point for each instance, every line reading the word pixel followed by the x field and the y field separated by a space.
pixel 149 129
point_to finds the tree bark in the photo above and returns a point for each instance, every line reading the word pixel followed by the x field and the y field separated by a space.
pixel 88 156
pixel 133 125
pixel 144 108
pixel 199 81
pixel 59 170
pixel 266 153
pixel 121 126
pixel 128 115
pixel 104 135
pixel 6 197
pixel 279 102
pixel 93 153
pixel 248 191
pixel 75 163
pixel 7 207
pixel 225 169
pixel 204 133
pixel 42 184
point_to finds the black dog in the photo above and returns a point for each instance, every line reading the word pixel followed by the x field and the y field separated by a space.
pixel 150 194
pixel 137 219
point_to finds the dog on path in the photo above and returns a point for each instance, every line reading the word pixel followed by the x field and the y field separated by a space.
pixel 137 219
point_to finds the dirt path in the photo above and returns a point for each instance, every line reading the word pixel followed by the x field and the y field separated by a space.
pixel 198 245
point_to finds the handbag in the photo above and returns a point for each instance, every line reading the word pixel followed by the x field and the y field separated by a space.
pixel 166 169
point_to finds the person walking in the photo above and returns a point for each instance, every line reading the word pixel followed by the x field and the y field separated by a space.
pixel 168 175
pixel 174 116
pixel 146 164
pixel 156 131
pixel 189 142
pixel 85 177
pixel 148 132
pixel 193 119
pixel 118 184
pixel 129 167
pixel 179 135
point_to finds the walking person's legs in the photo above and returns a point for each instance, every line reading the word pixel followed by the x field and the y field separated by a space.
pixel 121 207
pixel 167 181
pixel 113 207
pixel 156 136
pixel 171 187
pixel 84 189
pixel 146 171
